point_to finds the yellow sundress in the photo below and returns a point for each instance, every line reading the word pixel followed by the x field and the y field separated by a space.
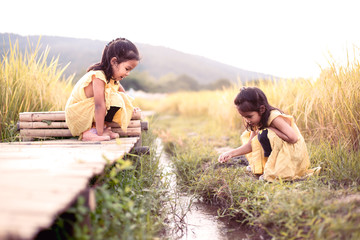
pixel 286 161
pixel 80 110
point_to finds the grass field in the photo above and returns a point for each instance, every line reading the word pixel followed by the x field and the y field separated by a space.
pixel 129 195
pixel 322 207
pixel 129 200
pixel 29 84
pixel 195 126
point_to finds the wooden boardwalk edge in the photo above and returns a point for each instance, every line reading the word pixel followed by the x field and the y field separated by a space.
pixel 40 180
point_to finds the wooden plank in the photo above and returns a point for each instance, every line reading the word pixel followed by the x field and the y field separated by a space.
pixel 38 197
pixel 119 144
pixel 39 180
pixel 35 183
pixel 31 132
pixel 77 170
pixel 72 141
pixel 54 201
pixel 22 226
pixel 37 157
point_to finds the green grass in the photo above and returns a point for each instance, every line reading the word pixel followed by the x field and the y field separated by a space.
pixel 340 166
pixel 194 125
pixel 130 197
pixel 129 200
pixel 322 207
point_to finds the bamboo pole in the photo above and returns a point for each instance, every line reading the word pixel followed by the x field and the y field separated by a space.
pixel 55 116
pixel 23 125
pixel 131 132
pixel 45 133
pixel 42 116
pixel 132 124
pixel 50 124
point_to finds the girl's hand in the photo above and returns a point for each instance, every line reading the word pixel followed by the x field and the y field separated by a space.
pixel 137 109
pixel 242 150
pixel 225 157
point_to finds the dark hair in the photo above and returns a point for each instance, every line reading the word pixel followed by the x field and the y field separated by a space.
pixel 121 48
pixel 250 99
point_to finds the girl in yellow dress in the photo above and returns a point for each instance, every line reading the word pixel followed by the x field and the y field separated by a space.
pixel 98 96
pixel 272 142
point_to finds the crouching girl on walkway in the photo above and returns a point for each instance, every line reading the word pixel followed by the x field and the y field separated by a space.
pixel 272 142
pixel 98 96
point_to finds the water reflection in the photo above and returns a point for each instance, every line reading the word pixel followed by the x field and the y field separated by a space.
pixel 190 219
pixel 202 223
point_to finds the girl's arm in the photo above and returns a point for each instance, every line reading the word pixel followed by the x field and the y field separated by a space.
pixel 283 130
pixel 100 106
pixel 243 149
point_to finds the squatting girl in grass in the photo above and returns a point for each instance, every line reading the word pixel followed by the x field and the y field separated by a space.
pixel 272 142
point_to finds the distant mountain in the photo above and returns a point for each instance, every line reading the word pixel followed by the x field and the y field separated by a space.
pixel 155 60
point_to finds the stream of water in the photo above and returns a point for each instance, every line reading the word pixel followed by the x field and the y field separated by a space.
pixel 191 219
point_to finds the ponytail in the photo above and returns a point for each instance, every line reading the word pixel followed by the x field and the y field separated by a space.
pixel 121 48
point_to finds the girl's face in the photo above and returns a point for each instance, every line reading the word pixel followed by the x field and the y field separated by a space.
pixel 122 70
pixel 251 118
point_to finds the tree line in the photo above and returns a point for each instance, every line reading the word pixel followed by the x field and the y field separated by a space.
pixel 170 83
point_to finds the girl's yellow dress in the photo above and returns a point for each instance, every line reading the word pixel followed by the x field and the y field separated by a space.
pixel 80 110
pixel 286 161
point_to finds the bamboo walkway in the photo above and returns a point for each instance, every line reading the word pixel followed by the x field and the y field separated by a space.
pixel 40 180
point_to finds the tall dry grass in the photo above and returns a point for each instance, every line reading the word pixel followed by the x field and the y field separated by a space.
pixel 327 109
pixel 29 83
pixel 327 112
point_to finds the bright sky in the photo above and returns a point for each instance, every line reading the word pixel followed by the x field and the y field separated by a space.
pixel 286 38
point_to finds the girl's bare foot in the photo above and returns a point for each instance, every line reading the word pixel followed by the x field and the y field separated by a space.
pixel 114 135
pixel 110 133
pixel 90 135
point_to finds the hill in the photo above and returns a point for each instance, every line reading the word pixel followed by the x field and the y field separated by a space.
pixel 157 61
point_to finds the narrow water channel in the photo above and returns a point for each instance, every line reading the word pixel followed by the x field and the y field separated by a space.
pixel 190 219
